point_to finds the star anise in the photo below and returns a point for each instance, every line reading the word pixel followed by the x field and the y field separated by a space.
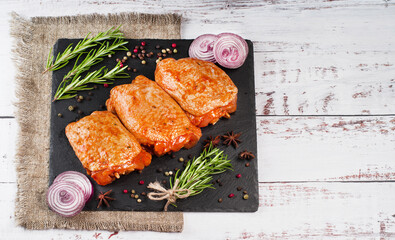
pixel 103 197
pixel 246 155
pixel 232 138
pixel 214 141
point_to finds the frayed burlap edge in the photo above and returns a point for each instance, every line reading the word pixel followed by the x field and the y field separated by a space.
pixel 33 40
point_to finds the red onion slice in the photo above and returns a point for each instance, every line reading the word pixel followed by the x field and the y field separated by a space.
pixel 202 47
pixel 80 180
pixel 230 50
pixel 65 198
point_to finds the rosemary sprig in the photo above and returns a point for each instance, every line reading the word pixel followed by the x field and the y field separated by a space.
pixel 82 46
pixel 68 88
pixel 197 174
pixel 95 56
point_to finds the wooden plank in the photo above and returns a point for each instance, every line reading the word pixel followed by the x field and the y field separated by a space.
pixel 288 211
pixel 326 148
pixel 325 83
pixel 339 26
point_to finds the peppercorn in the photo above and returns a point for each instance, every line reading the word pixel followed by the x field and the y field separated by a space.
pixel 160 58
pixel 134 56
pixel 157 60
pixel 135 50
pixel 136 196
pixel 247 164
pixel 190 156
pixel 134 70
pixel 175 51
pixel 129 68
pixel 143 194
pixel 173 155
pixel 157 46
pixel 136 47
pixel 141 58
pixel 159 54
pixel 125 58
pixel 164 182
pixel 163 50
pixel 141 47
pixel 139 200
pixel 109 55
pixel 220 200
pixel 143 62
pixel 164 55
pixel 245 192
pixel 167 49
pixel 94 86
pixel 117 60
pixel 80 112
pixel 238 175
pixel 181 159
pixel 140 171
pixel 176 169
pixel 133 191
pixel 141 182
pixel 173 45
pixel 79 100
pixel 60 115
pixel 123 61
pixel 167 173
pixel 125 191
pixel 128 54
pixel 121 65
pixel 159 170
pixel 169 52
pixel 132 195
pixel 90 93
pixel 245 197
pixel 106 84
pixel 231 195
pixel 151 53
pixel 71 108
pixel 218 180
pixel 170 173
pixel 239 188
pixel 220 184
pixel 143 43
pixel 143 51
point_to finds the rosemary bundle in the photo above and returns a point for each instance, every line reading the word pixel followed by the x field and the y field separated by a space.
pixel 196 177
pixel 68 88
pixel 69 53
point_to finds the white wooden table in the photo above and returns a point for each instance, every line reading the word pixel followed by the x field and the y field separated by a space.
pixel 325 92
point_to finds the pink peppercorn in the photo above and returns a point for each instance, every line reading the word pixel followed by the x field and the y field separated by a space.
pixel 125 191
pixel 141 182
pixel 142 43
pixel 135 50
pixel 231 195
pixel 238 175
pixel 174 45
pixel 105 85
pixel 121 65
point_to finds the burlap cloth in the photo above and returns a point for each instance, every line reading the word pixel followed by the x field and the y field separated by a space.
pixel 33 40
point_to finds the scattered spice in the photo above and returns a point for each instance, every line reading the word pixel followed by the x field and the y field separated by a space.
pixel 238 175
pixel 231 195
pixel 245 192
pixel 181 159
pixel 136 196
pixel 143 51
pixel 135 50
pixel 157 46
pixel 143 43
pixel 247 164
pixel 88 98
pixel 163 50
pixel 239 188
pixel 132 195
pixel 134 70
pixel 164 55
pixel 143 194
pixel 109 55
pixel 139 200
pixel 176 169
pixel 129 68
pixel 80 112
pixel 123 61
pixel 125 58
pixel 105 85
pixel 60 115
pixel 141 182
pixel 164 182
pixel 214 141
pixel 90 93
pixel 134 56
pixel 159 170
pixel 173 155
pixel 133 191
pixel 245 197
pixel 167 173
pixel 71 108
pixel 246 155
pixel 141 47
pixel 175 50
pixel 173 45
pixel 103 197
pixel 125 191
pixel 220 200
pixel 117 60
pixel 143 62
pixel 129 54
pixel 170 173
pixel 232 138
pixel 220 184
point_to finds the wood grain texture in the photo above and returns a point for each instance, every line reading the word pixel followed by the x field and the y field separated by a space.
pixel 311 58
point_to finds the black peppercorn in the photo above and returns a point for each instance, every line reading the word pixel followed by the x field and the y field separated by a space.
pixel 60 115
pixel 88 98
pixel 90 93
pixel 79 100
pixel 102 107
pixel 218 180
pixel 94 86
pixel 159 170
pixel 220 184
pixel 159 54
pixel 164 182
pixel 239 188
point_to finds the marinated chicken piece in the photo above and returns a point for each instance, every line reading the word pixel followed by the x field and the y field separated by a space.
pixel 203 90
pixel 153 117
pixel 105 147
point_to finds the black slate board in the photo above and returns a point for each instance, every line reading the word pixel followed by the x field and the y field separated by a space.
pixel 62 157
